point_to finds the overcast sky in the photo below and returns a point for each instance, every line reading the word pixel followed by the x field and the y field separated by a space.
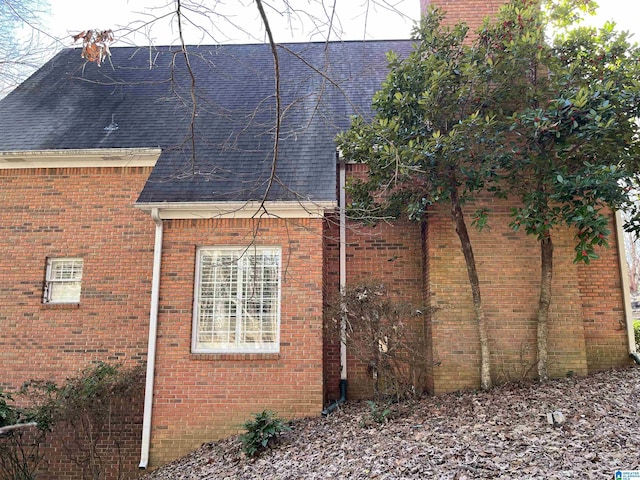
pixel 239 20
pixel 626 13
pixel 141 22
pixel 353 20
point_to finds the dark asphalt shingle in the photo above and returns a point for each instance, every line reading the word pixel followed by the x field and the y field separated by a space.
pixel 67 104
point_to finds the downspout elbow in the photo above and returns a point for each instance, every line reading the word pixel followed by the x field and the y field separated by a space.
pixel 340 401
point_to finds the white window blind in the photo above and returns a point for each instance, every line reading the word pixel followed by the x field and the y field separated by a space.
pixel 237 301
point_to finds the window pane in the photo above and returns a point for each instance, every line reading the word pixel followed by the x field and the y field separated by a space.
pixel 217 307
pixel 65 292
pixel 66 269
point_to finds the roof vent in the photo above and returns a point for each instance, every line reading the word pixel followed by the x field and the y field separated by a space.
pixel 113 125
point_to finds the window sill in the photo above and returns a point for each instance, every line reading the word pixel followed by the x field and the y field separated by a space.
pixel 234 356
pixel 59 306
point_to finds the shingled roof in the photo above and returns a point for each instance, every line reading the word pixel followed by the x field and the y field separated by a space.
pixel 69 104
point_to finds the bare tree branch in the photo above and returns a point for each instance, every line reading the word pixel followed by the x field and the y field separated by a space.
pixel 194 103
pixel 22 49
pixel 276 66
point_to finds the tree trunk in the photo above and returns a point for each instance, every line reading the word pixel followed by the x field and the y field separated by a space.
pixel 463 234
pixel 546 261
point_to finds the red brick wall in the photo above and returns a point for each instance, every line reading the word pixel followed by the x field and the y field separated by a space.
pixel 65 445
pixel 387 253
pixel 586 328
pixel 331 276
pixel 602 305
pixel 86 213
pixel 390 254
pixel 472 12
pixel 586 324
pixel 426 301
pixel 200 397
pixel 509 269
pixel 89 213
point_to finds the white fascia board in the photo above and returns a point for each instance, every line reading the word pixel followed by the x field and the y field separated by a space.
pixel 84 158
pixel 204 210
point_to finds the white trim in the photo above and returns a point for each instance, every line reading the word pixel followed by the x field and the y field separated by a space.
pixel 264 348
pixel 204 210
pixel 95 157
pixel 49 297
pixel 624 281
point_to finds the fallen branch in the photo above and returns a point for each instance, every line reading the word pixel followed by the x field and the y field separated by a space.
pixel 9 428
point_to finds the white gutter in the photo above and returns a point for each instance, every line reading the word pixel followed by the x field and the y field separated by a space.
pixel 151 349
pixel 624 280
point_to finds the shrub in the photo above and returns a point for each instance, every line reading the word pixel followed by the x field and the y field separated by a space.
pixel 378 414
pixel 91 411
pixel 386 335
pixel 97 406
pixel 261 432
pixel 636 331
pixel 20 448
pixel 8 413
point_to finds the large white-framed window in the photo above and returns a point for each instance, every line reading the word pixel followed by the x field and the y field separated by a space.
pixel 237 300
pixel 63 280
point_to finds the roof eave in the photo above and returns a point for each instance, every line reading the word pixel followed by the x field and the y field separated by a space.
pixel 79 158
pixel 253 209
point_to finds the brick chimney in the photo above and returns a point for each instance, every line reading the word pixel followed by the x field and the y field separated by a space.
pixel 472 12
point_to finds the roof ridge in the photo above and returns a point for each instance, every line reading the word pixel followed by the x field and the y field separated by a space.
pixel 231 45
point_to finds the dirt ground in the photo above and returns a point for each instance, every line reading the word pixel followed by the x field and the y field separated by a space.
pixel 502 434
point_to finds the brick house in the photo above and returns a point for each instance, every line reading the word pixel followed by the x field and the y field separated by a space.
pixel 139 229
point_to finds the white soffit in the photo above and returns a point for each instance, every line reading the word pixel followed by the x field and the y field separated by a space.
pixel 205 210
pixel 105 157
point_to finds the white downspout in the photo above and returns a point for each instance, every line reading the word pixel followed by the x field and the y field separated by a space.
pixel 151 348
pixel 343 285
pixel 343 267
pixel 624 280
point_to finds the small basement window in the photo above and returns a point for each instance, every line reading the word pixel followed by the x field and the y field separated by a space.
pixel 63 281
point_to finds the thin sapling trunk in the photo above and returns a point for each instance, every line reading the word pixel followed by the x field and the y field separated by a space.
pixel 474 282
pixel 546 262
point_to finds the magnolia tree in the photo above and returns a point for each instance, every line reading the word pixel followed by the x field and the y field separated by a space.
pixel 569 110
pixel 429 143
pixel 506 111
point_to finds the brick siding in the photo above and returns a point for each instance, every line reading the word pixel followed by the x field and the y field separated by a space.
pixel 84 213
pixel 387 253
pixel 509 271
pixel 88 213
pixel 586 325
pixel 603 311
pixel 202 397
pixel 472 12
